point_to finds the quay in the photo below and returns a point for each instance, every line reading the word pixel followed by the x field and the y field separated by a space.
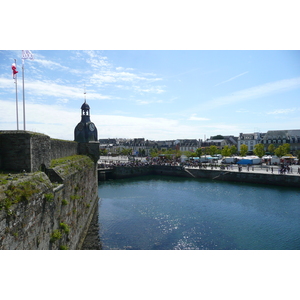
pixel 258 174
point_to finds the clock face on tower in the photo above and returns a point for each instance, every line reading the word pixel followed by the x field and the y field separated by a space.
pixel 92 126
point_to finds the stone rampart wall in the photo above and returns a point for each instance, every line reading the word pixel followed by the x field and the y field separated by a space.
pixel 60 148
pixel 38 214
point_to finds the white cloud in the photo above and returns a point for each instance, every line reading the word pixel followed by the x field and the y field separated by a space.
pixel 50 64
pixel 194 118
pixel 151 89
pixel 254 92
pixel 282 111
pixel 232 78
pixel 96 60
pixel 122 69
pixel 108 76
pixel 50 88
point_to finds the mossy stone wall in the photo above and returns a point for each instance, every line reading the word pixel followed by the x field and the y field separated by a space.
pixel 38 214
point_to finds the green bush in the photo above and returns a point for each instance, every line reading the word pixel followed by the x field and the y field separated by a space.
pixel 49 197
pixel 56 235
pixel 64 202
pixel 64 227
pixel 62 247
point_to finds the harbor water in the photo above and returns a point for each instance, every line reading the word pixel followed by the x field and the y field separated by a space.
pixel 170 213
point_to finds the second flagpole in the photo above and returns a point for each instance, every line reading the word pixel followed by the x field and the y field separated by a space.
pixel 23 95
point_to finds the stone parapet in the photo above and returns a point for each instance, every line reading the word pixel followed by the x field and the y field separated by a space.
pixel 30 151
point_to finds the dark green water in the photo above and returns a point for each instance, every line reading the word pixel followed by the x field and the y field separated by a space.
pixel 177 213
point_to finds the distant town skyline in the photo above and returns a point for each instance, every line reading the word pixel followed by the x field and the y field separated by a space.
pixel 157 94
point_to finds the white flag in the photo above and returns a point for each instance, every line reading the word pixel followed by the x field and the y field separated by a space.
pixel 26 54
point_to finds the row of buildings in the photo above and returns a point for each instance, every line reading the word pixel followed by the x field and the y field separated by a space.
pixel 141 146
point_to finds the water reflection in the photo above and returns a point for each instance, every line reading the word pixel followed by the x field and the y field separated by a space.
pixel 177 213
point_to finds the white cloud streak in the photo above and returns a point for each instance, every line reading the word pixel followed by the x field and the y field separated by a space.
pixel 282 111
pixel 50 88
pixel 254 92
pixel 232 78
pixel 50 64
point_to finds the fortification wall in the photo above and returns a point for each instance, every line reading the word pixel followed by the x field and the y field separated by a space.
pixel 60 148
pixel 38 214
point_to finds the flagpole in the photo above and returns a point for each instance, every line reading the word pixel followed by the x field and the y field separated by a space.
pixel 23 95
pixel 17 98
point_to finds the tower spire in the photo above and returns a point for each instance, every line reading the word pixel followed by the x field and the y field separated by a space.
pixel 84 94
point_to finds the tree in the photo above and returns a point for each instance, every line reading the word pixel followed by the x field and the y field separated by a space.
pixel 287 148
pixel 279 151
pixel 103 152
pixel 226 151
pixel 125 151
pixel 233 150
pixel 259 150
pixel 244 150
pixel 218 137
pixel 213 150
pixel 153 152
pixel 271 148
pixel 189 153
pixel 282 150
pixel 205 150
pixel 199 152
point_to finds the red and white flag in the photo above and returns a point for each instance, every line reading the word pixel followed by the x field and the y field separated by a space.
pixel 26 54
pixel 14 70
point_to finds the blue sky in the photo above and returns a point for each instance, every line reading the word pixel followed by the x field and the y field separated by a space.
pixel 155 94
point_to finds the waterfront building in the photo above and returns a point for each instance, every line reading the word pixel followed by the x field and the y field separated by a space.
pixel 109 144
pixel 187 145
pixel 280 137
pixel 250 140
pixel 219 143
pixel 228 140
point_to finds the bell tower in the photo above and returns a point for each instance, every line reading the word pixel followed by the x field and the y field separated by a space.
pixel 85 131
